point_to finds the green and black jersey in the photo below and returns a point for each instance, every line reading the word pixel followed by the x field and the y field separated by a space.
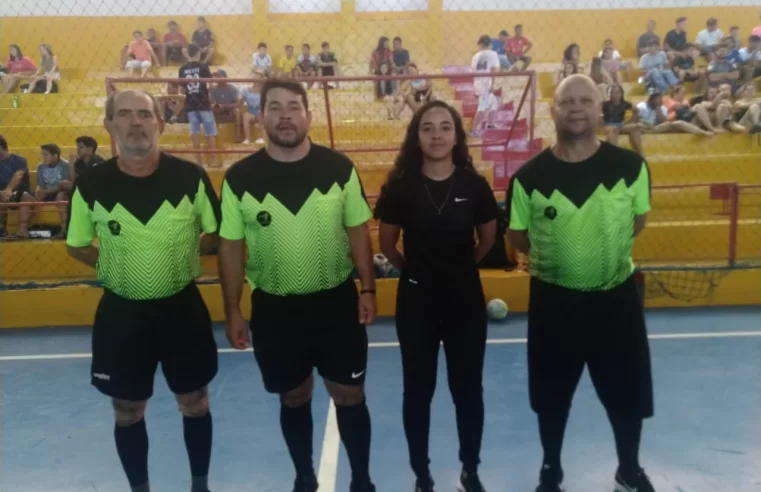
pixel 148 228
pixel 294 216
pixel 580 216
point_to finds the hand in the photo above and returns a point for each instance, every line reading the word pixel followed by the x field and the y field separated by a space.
pixel 5 195
pixel 236 331
pixel 18 174
pixel 367 308
pixel 40 195
pixel 65 185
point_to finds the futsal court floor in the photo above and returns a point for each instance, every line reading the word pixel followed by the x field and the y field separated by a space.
pixel 56 431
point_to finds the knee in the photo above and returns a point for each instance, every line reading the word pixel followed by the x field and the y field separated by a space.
pixel 128 412
pixel 299 396
pixel 194 404
pixel 348 396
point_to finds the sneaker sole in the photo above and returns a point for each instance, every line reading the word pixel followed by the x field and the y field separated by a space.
pixel 621 488
pixel 460 488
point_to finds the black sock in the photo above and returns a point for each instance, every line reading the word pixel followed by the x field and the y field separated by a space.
pixel 197 432
pixel 354 427
pixel 296 423
pixel 627 431
pixel 132 446
pixel 551 431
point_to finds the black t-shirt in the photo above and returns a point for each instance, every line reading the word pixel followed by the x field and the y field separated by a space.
pixel 615 113
pixel 438 247
pixel 196 93
pixel 202 38
pixel 80 166
pixel 676 40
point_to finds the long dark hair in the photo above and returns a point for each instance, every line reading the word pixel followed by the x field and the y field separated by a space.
pixel 409 162
pixel 382 45
pixel 568 52
pixel 19 54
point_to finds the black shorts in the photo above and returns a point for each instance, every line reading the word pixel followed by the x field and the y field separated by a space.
pixel 291 335
pixel 606 330
pixel 328 71
pixel 131 337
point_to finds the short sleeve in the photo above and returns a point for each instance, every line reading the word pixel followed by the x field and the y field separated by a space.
pixel 388 208
pixel 485 209
pixel 41 179
pixel 81 231
pixel 520 206
pixel 356 209
pixel 641 189
pixel 232 227
pixel 207 205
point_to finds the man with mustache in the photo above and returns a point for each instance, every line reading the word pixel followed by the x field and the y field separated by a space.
pixel 300 211
pixel 575 209
pixel 147 211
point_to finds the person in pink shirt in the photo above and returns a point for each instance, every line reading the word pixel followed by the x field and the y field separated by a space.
pixel 517 48
pixel 20 67
pixel 140 54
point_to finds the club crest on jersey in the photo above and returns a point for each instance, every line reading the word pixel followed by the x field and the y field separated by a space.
pixel 550 213
pixel 114 227
pixel 264 218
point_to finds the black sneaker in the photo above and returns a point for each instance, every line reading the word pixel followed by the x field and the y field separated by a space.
pixel 424 484
pixel 638 483
pixel 550 479
pixel 305 483
pixel 362 486
pixel 469 482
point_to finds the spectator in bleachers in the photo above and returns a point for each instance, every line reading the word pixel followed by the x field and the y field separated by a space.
pixel 750 59
pixel 654 69
pixel 612 65
pixel 614 119
pixel 175 44
pixel 571 63
pixel 252 96
pixel 328 63
pixel 600 77
pixel 54 182
pixel 687 71
pixel 400 56
pixel 140 54
pixel 156 44
pixel 48 71
pixel 288 62
pixel 412 93
pixel 757 30
pixel 653 118
pixel 19 67
pixel 262 59
pixel 734 52
pixel 306 64
pixel 381 54
pixel 518 47
pixel 614 55
pixel 675 44
pixel 709 38
pixel 14 188
pixel 225 102
pixel 734 33
pixel 204 39
pixel 498 46
pixel 485 61
pixel 679 109
pixel 747 110
pixel 85 158
pixel 646 39
pixel 722 71
pixel 718 104
pixel 386 90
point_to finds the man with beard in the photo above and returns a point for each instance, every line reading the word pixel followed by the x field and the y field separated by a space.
pixel 300 211
pixel 575 209
pixel 147 210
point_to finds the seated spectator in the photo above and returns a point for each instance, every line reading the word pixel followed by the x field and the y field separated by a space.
pixel 498 46
pixel 14 188
pixel 757 30
pixel 85 158
pixel 518 47
pixel 614 119
pixel 686 70
pixel 382 54
pixel 412 93
pixel 600 77
pixel 204 39
pixel 48 71
pixel 722 71
pixel 288 63
pixel 750 59
pixel 53 182
pixel 400 56
pixel 140 55
pixel 611 65
pixel 156 44
pixel 718 104
pixel 734 50
pixel 306 64
pixel 386 90
pixel 654 69
pixel 648 38
pixel 328 63
pixel 675 43
pixel 747 110
pixel 680 109
pixel 174 44
pixel 709 38
pixel 252 96
pixel 734 33
pixel 571 63
pixel 262 59
pixel 653 118
pixel 19 67
pixel 225 102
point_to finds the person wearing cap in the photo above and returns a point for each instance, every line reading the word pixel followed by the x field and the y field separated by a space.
pixel 498 45
pixel 226 102
pixel 709 38
pixel 653 117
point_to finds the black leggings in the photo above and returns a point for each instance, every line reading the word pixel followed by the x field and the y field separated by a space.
pixel 425 319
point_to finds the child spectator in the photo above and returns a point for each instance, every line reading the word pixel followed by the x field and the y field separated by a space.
pixel 400 56
pixel 653 117
pixel 654 71
pixel 747 110
pixel 14 188
pixel 85 158
pixel 484 61
pixel 288 63
pixel 750 58
pixel 252 96
pixel 19 67
pixel 382 54
pixel 614 119
pixel 262 59
pixel 709 38
pixel 225 102
pixel 734 33
pixel 386 90
pixel 518 47
pixel 204 39
pixel 140 53
pixel 328 63
pixel 306 65
pixel 412 93
pixel 680 109
pixel 571 63
pixel 648 38
pixel 600 76
pixel 616 57
pixel 498 44
pixel 611 65
pixel 48 70
pixel 53 182
pixel 675 42
pixel 174 44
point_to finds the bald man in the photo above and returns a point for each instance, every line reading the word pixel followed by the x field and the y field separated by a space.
pixel 575 209
pixel 147 209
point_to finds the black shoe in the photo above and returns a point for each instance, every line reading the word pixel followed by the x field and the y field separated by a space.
pixel 362 486
pixel 424 484
pixel 550 479
pixel 638 483
pixel 305 483
pixel 469 482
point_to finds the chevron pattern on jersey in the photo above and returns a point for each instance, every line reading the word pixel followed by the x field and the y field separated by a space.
pixel 297 254
pixel 587 247
pixel 152 260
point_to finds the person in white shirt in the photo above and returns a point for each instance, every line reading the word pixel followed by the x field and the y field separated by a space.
pixel 485 61
pixel 709 38
pixel 653 118
pixel 262 59
pixel 750 57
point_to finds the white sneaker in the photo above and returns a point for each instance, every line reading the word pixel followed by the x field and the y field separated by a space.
pixel 259 141
pixel 245 142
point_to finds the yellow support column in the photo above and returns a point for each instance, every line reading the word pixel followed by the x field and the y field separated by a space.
pixel 260 24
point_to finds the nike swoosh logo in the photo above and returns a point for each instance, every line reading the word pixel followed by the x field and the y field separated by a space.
pixel 458 200
pixel 355 375
pixel 412 281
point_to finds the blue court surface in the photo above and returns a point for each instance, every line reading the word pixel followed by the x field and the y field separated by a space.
pixel 56 431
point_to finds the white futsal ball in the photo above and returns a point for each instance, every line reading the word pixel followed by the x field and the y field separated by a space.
pixel 497 309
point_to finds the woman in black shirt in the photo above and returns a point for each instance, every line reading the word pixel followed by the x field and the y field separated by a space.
pixel 614 116
pixel 435 195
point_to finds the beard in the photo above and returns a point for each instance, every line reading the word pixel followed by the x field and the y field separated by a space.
pixel 135 149
pixel 565 134
pixel 289 142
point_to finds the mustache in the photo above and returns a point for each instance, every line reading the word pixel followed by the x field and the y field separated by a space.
pixel 285 126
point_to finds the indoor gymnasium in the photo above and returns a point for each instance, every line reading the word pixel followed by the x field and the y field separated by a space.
pixel 678 85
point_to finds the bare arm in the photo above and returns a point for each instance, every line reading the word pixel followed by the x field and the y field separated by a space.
pixel 87 255
pixel 487 235
pixel 519 240
pixel 362 254
pixel 639 223
pixel 388 237
pixel 231 264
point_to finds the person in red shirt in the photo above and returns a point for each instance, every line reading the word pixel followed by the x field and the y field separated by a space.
pixel 381 55
pixel 517 48
pixel 174 44
pixel 20 67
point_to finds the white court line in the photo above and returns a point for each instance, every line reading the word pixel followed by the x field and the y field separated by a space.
pixel 492 341
pixel 326 474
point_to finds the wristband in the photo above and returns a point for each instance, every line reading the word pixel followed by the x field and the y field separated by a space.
pixel 367 291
